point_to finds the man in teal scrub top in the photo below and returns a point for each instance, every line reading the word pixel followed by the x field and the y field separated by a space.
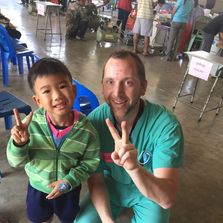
pixel 141 149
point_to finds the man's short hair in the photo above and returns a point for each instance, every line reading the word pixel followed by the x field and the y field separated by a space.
pixel 123 54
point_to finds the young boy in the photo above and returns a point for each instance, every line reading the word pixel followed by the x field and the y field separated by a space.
pixel 58 146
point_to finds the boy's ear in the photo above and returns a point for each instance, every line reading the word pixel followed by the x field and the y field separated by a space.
pixel 37 100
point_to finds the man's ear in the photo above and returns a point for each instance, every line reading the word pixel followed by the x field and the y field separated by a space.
pixel 37 101
pixel 144 87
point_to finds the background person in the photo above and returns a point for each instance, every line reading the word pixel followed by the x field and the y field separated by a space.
pixel 58 146
pixel 196 12
pixel 214 27
pixel 181 13
pixel 77 20
pixel 64 4
pixel 163 7
pixel 141 149
pixel 92 14
pixel 124 8
pixel 11 29
pixel 143 25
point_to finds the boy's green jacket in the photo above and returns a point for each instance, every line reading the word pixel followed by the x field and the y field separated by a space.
pixel 74 161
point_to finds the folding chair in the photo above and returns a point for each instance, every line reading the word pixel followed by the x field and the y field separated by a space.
pixel 85 101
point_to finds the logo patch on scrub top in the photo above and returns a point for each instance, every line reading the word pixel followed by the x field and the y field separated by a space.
pixel 145 158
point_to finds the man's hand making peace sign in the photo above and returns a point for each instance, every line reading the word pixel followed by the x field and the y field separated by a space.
pixel 125 153
pixel 160 187
pixel 20 133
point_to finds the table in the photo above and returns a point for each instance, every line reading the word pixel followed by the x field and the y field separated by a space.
pixel 220 46
pixel 8 102
pixel 46 9
pixel 201 65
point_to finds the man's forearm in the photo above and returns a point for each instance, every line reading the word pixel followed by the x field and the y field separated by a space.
pixel 160 189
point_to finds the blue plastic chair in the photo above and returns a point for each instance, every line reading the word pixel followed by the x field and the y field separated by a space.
pixel 7 103
pixel 85 101
pixel 14 52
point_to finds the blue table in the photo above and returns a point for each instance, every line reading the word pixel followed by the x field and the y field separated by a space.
pixel 7 103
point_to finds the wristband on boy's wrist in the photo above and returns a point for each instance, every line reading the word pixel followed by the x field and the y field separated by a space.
pixel 64 187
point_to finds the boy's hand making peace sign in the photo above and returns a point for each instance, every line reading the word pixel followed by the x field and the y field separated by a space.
pixel 20 132
pixel 125 153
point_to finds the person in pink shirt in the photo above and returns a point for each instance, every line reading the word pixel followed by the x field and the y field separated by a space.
pixel 124 8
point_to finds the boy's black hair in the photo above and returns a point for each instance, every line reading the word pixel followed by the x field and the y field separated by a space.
pixel 124 54
pixel 47 66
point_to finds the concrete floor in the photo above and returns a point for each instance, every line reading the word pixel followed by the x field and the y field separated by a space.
pixel 200 197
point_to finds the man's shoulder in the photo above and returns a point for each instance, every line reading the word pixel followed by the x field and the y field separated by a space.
pixel 101 109
pixel 154 106
pixel 85 123
pixel 98 115
pixel 159 112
